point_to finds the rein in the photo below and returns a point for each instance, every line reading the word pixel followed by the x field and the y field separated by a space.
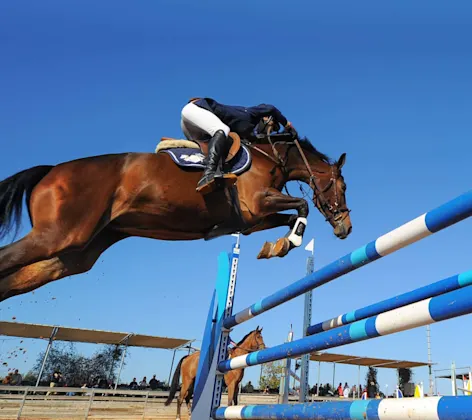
pixel 236 346
pixel 318 198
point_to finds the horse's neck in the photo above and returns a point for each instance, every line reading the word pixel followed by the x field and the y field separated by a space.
pixel 294 162
pixel 298 170
pixel 243 348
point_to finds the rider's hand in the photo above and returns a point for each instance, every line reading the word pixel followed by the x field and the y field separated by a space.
pixel 289 128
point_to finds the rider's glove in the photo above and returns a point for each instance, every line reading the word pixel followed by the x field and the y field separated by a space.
pixel 289 128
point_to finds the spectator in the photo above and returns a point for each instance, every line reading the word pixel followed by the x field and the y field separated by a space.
pixel 133 384
pixel 102 383
pixel 340 389
pixel 143 384
pixel 154 383
pixel 354 391
pixel 55 381
pixel 346 390
pixel 371 390
pixel 7 379
pixel 249 388
pixel 16 379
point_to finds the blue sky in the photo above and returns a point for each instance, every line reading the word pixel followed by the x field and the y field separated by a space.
pixel 387 82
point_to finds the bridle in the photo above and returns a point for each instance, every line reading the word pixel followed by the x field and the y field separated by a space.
pixel 334 214
pixel 260 345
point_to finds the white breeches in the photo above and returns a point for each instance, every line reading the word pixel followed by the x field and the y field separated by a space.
pixel 199 124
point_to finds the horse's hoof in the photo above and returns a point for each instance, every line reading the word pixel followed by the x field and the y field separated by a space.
pixel 281 248
pixel 265 251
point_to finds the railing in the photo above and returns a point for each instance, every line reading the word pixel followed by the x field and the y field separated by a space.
pixel 29 402
pixel 80 402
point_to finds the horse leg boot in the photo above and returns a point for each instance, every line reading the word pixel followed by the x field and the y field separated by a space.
pixel 218 149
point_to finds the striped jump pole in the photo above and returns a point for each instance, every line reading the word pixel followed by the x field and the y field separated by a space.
pixel 443 286
pixel 424 312
pixel 435 408
pixel 443 216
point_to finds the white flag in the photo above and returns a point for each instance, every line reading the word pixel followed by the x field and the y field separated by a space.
pixel 311 246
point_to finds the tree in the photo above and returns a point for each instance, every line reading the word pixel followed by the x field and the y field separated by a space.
pixel 405 376
pixel 271 375
pixel 77 369
pixel 30 378
pixel 370 378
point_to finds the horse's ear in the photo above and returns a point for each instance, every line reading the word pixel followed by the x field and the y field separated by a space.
pixel 257 328
pixel 341 161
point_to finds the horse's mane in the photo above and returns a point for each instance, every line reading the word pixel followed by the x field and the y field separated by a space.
pixel 246 336
pixel 308 146
pixel 305 144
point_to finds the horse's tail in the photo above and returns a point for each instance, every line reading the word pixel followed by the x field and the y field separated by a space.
pixel 175 382
pixel 12 190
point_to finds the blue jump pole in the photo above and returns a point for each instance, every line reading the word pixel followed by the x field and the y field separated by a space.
pixel 435 408
pixel 431 290
pixel 424 312
pixel 443 216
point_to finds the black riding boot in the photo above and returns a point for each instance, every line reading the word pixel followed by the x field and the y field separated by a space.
pixel 218 149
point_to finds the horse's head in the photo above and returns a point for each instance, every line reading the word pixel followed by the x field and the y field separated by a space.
pixel 326 180
pixel 254 340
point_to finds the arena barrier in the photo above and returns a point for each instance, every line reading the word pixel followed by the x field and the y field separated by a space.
pixel 439 301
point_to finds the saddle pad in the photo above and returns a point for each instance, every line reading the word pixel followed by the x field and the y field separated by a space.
pixel 193 158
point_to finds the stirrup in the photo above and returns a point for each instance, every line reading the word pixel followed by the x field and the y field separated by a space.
pixel 207 187
pixel 217 183
pixel 229 179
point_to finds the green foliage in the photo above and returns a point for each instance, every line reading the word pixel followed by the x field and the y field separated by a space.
pixel 271 375
pixel 30 378
pixel 77 369
pixel 371 376
pixel 405 376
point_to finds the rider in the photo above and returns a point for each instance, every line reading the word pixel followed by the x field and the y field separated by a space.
pixel 204 118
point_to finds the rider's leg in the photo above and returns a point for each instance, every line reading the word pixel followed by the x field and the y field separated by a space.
pixel 198 121
pixel 195 119
pixel 218 149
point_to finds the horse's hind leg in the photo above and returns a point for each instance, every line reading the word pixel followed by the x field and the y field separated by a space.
pixel 189 397
pixel 38 274
pixel 183 394
pixel 189 405
pixel 63 221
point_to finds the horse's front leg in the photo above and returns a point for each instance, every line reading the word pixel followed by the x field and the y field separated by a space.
pixel 270 203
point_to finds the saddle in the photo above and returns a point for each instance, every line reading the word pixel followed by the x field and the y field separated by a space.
pixel 171 143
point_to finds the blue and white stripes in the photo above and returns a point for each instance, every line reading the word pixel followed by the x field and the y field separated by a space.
pixel 446 215
pixel 434 408
pixel 424 312
pixel 435 289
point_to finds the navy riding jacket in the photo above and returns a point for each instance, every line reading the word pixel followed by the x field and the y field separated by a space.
pixel 240 119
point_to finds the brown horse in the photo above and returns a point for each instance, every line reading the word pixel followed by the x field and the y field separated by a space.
pixel 188 366
pixel 80 208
